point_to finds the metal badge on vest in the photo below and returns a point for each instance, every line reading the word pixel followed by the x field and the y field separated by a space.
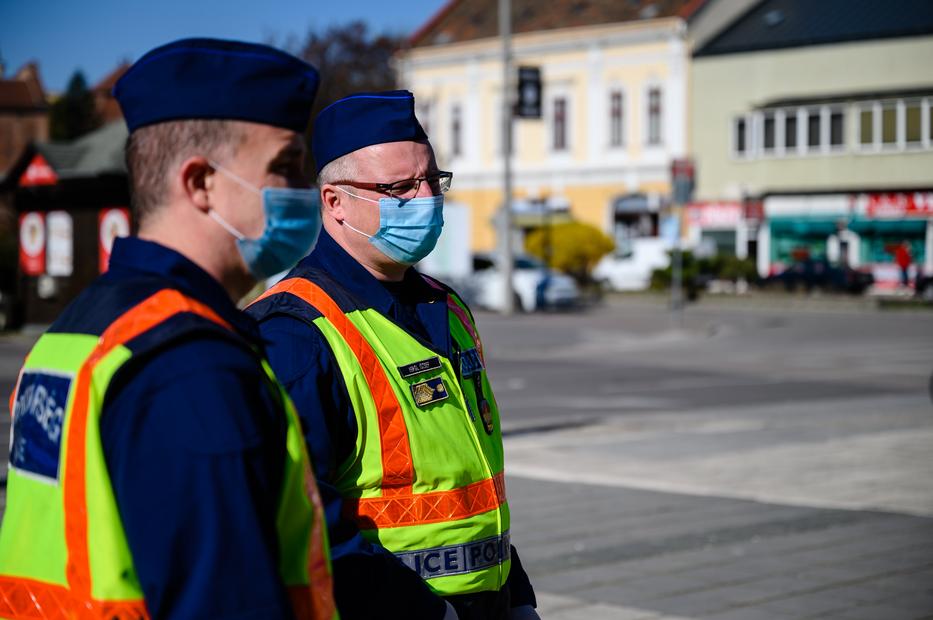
pixel 448 517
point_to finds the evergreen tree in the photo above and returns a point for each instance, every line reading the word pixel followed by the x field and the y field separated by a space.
pixel 73 114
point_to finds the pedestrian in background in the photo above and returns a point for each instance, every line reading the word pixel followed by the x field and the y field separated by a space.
pixel 387 371
pixel 157 468
pixel 903 258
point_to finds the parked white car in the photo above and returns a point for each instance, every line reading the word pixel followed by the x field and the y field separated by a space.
pixel 535 286
pixel 630 267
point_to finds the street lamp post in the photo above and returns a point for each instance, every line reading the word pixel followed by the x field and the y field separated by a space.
pixel 505 232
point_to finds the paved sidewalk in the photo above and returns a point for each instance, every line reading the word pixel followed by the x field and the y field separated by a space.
pixel 749 512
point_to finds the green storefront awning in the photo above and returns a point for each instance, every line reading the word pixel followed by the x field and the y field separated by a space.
pixel 911 227
pixel 805 226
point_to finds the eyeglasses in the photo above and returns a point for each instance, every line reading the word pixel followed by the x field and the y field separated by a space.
pixel 439 183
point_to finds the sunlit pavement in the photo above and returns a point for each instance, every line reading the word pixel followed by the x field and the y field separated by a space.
pixel 758 461
pixel 753 463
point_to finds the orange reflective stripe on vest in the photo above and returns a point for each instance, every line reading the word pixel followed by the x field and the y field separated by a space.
pixel 22 598
pixel 398 472
pixel 26 599
pixel 139 319
pixel 434 507
pixel 398 506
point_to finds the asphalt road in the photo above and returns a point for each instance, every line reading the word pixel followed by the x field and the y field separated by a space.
pixel 753 462
pixel 628 358
pixel 757 461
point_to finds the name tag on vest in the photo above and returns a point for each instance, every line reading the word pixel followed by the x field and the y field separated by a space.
pixel 428 392
pixel 38 420
pixel 417 368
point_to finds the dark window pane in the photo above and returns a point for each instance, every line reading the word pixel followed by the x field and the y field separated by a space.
pixel 740 136
pixel 813 128
pixel 455 129
pixel 654 116
pixel 769 133
pixel 560 124
pixel 866 126
pixel 615 116
pixel 790 130
pixel 914 120
pixel 889 126
pixel 836 129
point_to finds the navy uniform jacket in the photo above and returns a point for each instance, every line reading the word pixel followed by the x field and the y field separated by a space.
pixel 304 363
pixel 194 445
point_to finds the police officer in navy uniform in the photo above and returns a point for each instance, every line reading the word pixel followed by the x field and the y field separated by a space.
pixel 362 144
pixel 193 438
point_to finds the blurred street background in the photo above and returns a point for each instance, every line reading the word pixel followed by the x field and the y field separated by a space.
pixel 698 235
pixel 762 461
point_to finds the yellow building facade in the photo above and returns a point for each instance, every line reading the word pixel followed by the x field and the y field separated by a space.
pixel 613 116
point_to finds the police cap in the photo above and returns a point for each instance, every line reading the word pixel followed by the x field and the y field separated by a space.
pixel 362 120
pixel 217 79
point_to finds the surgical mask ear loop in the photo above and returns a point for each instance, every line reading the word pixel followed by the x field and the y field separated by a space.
pixel 216 216
pixel 226 226
pixel 347 224
pixel 356 195
pixel 235 177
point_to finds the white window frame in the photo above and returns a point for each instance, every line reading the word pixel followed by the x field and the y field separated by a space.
pixel 554 93
pixel 881 106
pixel 926 123
pixel 843 110
pixel 812 149
pixel 765 115
pixel 623 143
pixel 647 122
pixel 780 120
pixel 733 142
pixel 922 102
pixel 456 131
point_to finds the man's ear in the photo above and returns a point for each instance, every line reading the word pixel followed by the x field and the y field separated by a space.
pixel 196 179
pixel 332 202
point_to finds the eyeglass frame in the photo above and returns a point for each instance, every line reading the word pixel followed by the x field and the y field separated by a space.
pixel 386 188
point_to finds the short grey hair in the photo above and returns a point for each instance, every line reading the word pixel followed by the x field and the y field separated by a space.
pixel 152 152
pixel 341 169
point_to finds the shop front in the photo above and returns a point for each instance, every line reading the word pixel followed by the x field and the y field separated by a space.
pixel 862 231
pixel 71 202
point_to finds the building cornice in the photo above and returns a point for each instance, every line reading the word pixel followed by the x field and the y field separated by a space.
pixel 546 42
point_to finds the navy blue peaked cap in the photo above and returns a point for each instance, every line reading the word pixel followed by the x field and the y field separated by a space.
pixel 362 120
pixel 216 79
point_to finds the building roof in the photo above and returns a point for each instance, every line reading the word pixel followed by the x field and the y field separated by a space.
pixel 23 91
pixel 105 103
pixel 96 153
pixel 467 20
pixel 777 24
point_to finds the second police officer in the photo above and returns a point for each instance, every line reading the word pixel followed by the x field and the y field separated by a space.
pixel 386 369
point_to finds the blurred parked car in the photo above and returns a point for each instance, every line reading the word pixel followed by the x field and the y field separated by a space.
pixel 820 274
pixel 534 286
pixel 629 268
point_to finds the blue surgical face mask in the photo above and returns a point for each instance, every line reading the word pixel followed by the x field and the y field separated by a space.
pixel 293 223
pixel 408 228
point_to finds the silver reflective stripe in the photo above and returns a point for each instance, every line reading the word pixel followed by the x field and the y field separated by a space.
pixel 458 559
